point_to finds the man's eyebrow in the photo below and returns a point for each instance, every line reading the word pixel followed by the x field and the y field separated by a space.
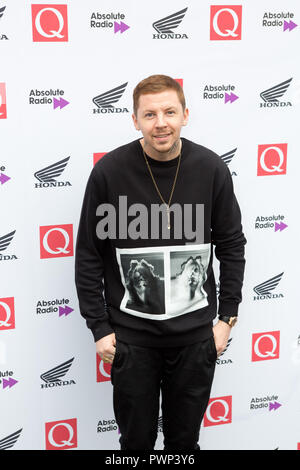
pixel 166 108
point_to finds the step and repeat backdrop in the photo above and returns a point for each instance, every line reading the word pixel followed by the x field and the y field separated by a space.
pixel 239 67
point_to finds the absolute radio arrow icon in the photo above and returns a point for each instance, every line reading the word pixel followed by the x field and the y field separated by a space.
pixel 3 178
pixel 9 383
pixel 120 27
pixel 230 97
pixel 274 406
pixel 65 310
pixel 61 103
pixel 280 226
pixel 289 25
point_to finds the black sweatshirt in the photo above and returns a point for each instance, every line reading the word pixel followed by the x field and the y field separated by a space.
pixel 151 285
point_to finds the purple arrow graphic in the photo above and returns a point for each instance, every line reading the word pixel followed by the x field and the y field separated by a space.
pixel 120 27
pixel 280 226
pixel 9 383
pixel 289 25
pixel 231 98
pixel 65 310
pixel 3 178
pixel 274 406
pixel 61 103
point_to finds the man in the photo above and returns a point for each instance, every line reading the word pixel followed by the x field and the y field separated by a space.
pixel 152 210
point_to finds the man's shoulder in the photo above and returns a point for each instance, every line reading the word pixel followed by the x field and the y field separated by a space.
pixel 207 155
pixel 114 157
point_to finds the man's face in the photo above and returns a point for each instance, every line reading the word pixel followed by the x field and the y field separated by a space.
pixel 160 117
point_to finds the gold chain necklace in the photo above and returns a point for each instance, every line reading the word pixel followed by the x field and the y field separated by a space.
pixel 158 191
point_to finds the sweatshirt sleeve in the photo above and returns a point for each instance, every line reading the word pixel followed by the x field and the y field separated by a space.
pixel 229 240
pixel 89 263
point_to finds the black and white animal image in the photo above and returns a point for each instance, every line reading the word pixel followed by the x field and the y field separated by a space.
pixel 187 284
pixel 145 288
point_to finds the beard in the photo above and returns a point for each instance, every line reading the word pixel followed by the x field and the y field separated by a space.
pixel 162 149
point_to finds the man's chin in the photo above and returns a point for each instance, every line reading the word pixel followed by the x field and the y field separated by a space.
pixel 163 147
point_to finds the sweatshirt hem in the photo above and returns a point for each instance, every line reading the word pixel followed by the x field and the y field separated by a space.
pixel 144 339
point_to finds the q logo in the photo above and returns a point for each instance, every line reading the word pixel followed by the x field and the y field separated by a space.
pixel 265 346
pixel 225 22
pixel 97 156
pixel 103 370
pixel 272 159
pixel 49 23
pixel 7 313
pixel 218 411
pixel 3 114
pixel 61 435
pixel 56 241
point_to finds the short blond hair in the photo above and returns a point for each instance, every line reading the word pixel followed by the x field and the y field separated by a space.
pixel 157 84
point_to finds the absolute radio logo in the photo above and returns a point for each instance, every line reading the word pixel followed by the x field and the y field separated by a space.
pixel 51 96
pixel 5 241
pixel 53 377
pixel 3 178
pixel 220 92
pixel 3 108
pixel 272 159
pixel 274 222
pixel 49 23
pixel 106 425
pixel 56 241
pixel 270 97
pixel 7 380
pixel 227 157
pixel 106 101
pixel 103 370
pixel 264 290
pixel 265 346
pixel 279 20
pixel 7 313
pixel 269 401
pixel 109 21
pixel 2 36
pixel 59 306
pixel 226 22
pixel 9 441
pixel 218 411
pixel 61 435
pixel 164 27
pixel 47 176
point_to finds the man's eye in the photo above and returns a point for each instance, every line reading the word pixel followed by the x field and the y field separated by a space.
pixel 171 112
pixel 149 115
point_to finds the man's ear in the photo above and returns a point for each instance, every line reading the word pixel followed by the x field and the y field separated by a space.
pixel 135 122
pixel 185 117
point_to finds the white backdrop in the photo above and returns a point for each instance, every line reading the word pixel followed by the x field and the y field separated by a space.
pixel 255 396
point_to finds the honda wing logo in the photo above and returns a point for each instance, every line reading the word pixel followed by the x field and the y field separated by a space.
pixel 54 375
pixel 227 346
pixel 48 174
pixel 227 157
pixel 105 102
pixel 5 240
pixel 266 287
pixel 107 99
pixel 272 94
pixel 9 441
pixel 167 24
pixel 2 11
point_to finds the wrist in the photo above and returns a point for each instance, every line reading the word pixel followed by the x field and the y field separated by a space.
pixel 229 320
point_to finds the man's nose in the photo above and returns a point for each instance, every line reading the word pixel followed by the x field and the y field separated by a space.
pixel 160 120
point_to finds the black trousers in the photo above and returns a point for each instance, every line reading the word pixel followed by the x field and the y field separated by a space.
pixel 183 374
